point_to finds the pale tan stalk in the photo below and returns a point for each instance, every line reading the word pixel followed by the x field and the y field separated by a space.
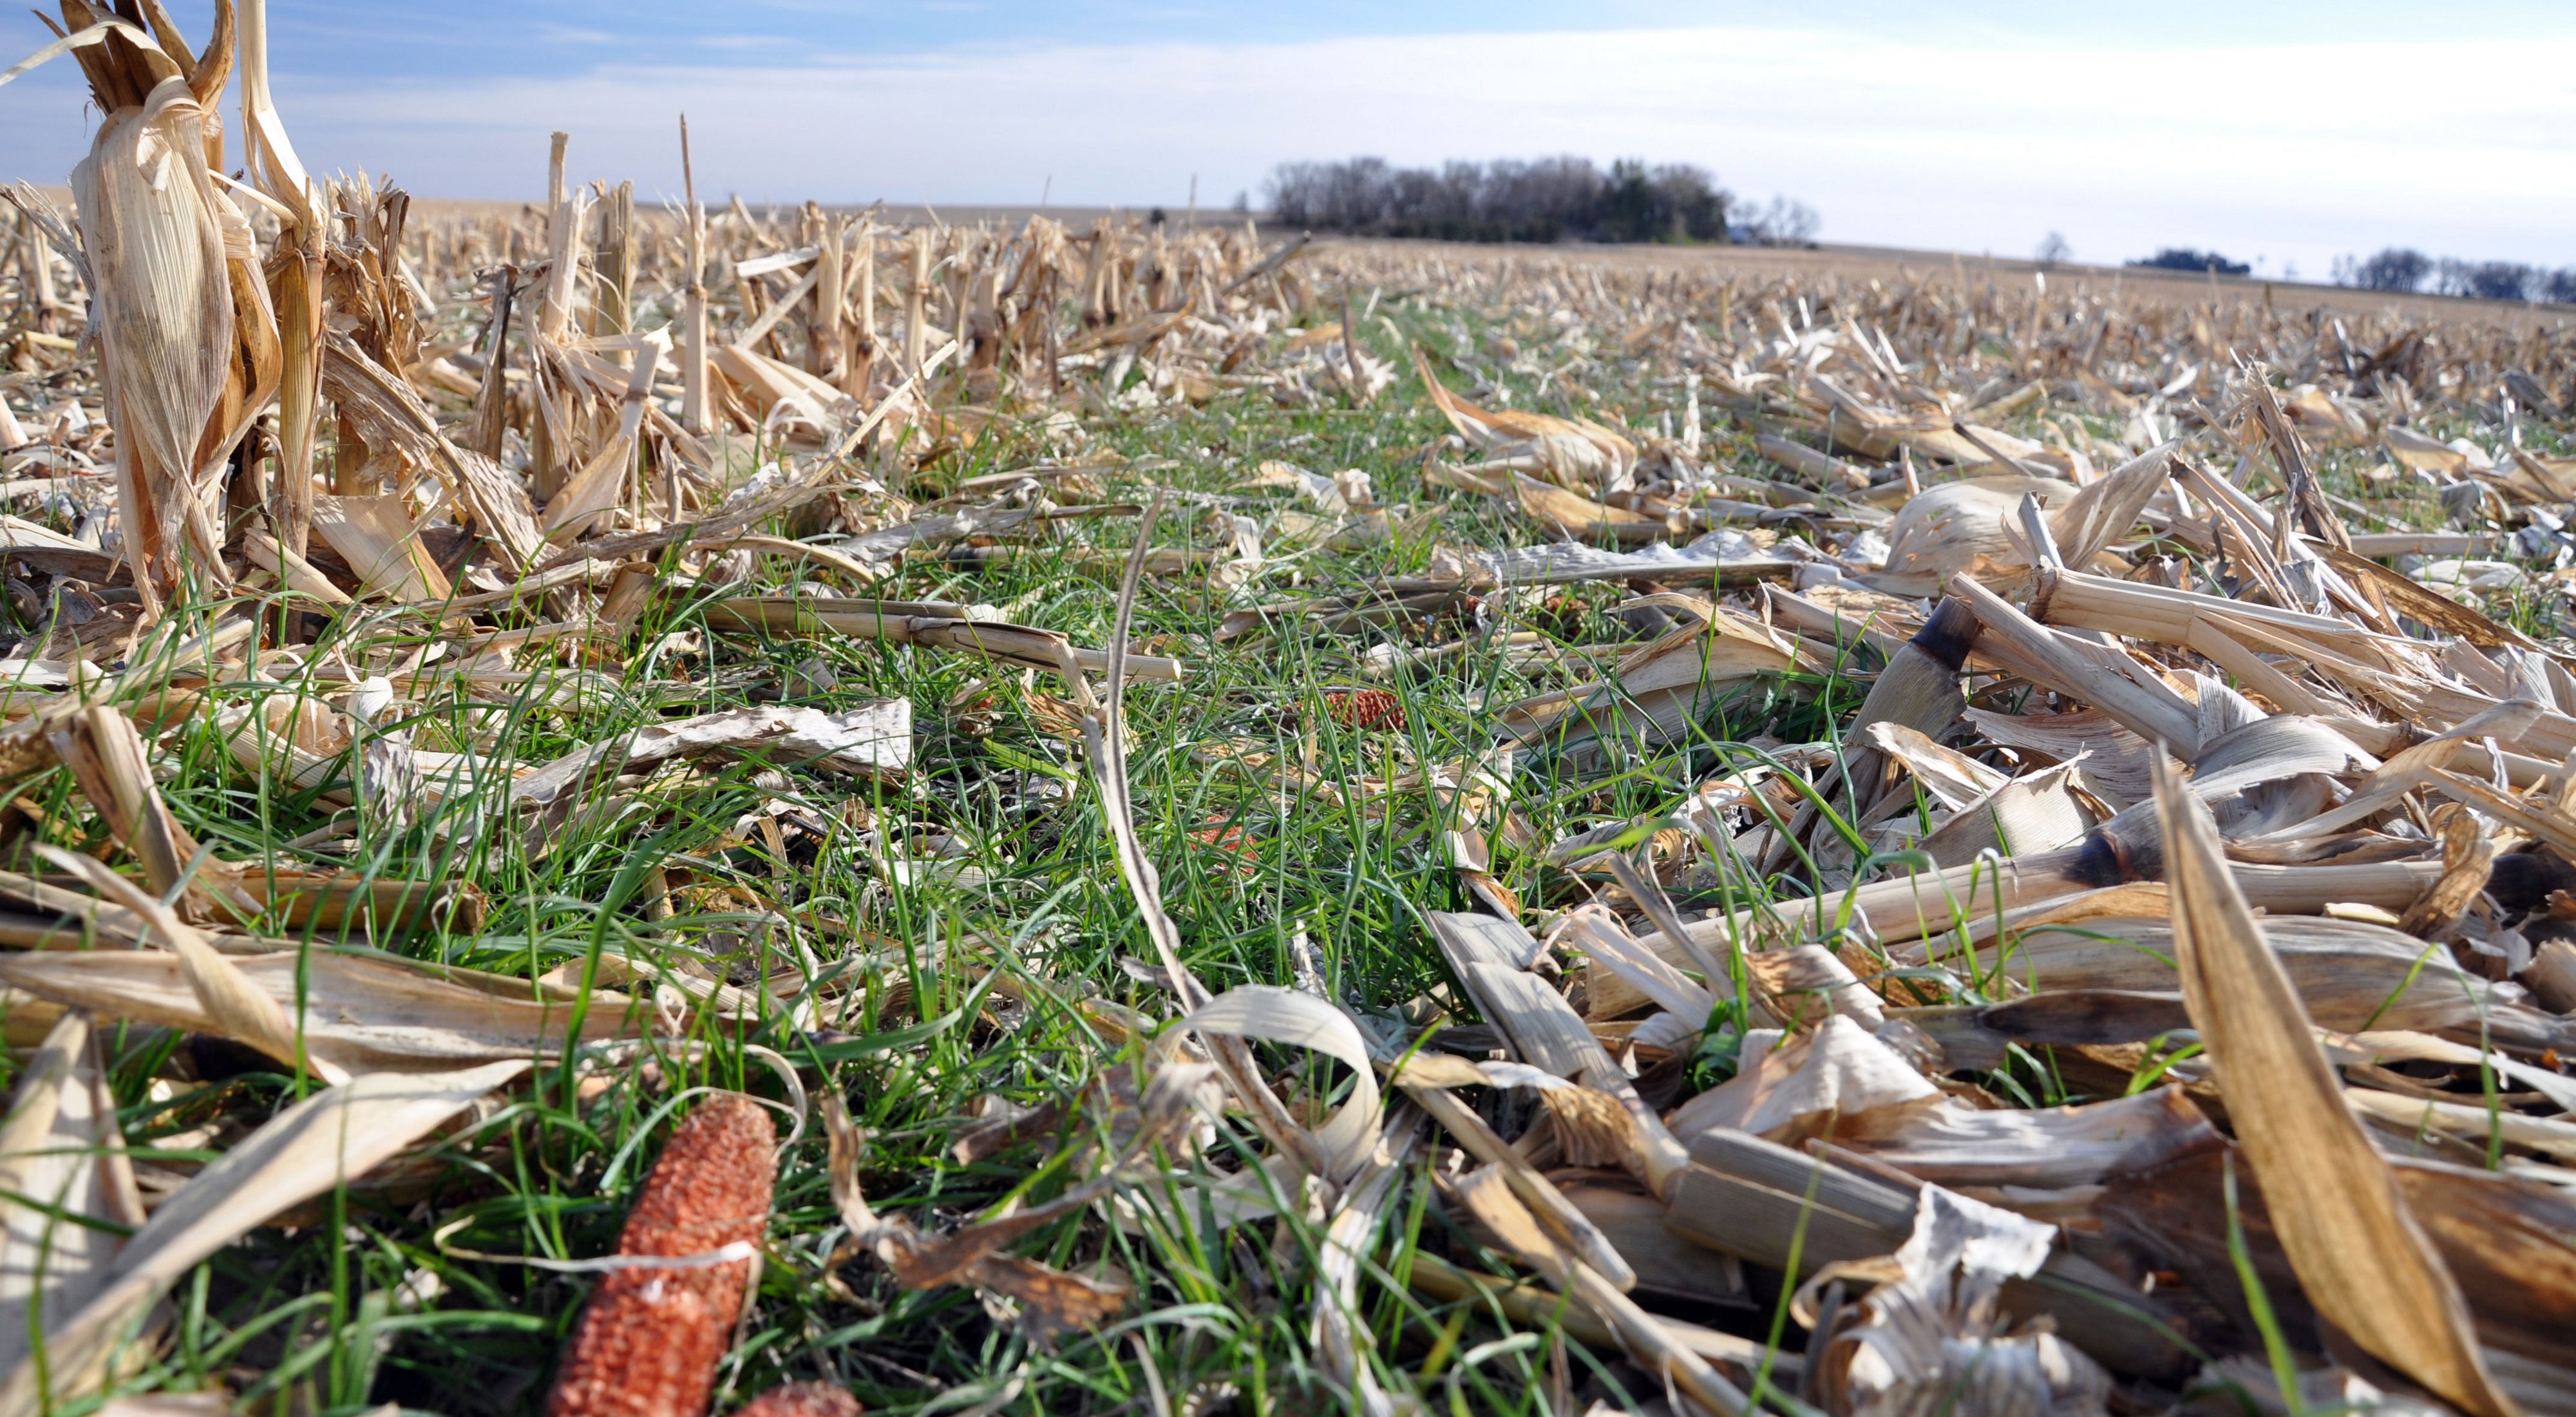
pixel 693 311
pixel 295 284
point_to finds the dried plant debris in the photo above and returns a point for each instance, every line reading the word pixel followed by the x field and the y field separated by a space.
pixel 1313 825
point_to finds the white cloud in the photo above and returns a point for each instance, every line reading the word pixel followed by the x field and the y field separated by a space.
pixel 2295 153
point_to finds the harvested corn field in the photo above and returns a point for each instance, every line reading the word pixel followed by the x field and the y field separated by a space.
pixel 613 810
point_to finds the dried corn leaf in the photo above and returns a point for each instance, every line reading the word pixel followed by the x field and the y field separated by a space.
pixel 1932 1331
pixel 942 626
pixel 1487 1196
pixel 226 998
pixel 873 740
pixel 360 1012
pixel 377 536
pixel 2044 1148
pixel 1265 1013
pixel 330 1139
pixel 1793 1087
pixel 70 1189
pixel 2363 1260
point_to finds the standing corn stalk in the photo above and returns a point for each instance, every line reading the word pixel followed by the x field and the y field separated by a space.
pixel 693 310
pixel 257 361
pixel 826 351
pixel 366 292
pixel 547 437
pixel 612 311
pixel 40 307
pixel 860 366
pixel 294 281
pixel 916 338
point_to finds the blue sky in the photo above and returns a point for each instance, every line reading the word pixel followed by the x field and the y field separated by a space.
pixel 2290 131
pixel 486 37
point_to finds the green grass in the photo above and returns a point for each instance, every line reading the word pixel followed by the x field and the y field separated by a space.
pixel 356 1305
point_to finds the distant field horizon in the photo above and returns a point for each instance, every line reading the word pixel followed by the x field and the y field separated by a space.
pixel 1823 257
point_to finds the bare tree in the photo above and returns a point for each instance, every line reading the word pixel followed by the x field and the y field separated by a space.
pixel 1783 223
pixel 2395 268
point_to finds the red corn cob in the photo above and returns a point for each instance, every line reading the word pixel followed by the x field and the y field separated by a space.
pixel 803 1400
pixel 648 1342
pixel 1224 837
pixel 1365 708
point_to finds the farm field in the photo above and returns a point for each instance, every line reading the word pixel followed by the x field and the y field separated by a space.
pixel 622 811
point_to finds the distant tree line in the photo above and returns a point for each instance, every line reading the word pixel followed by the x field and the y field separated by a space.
pixel 1550 199
pixel 2183 258
pixel 2403 270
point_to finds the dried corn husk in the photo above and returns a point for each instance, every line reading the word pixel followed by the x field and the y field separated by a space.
pixel 1573 453
pixel 164 306
pixel 1961 528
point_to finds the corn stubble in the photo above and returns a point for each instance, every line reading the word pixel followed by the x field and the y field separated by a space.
pixel 1958 842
